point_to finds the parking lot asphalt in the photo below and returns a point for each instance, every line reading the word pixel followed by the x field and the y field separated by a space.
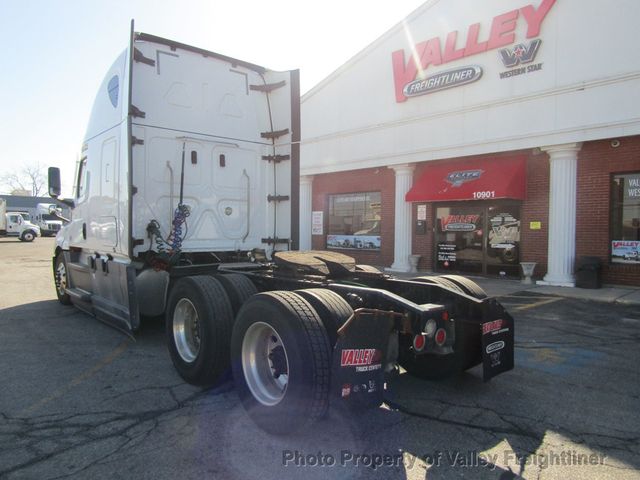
pixel 80 400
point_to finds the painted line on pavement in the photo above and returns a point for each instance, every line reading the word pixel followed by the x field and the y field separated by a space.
pixel 537 304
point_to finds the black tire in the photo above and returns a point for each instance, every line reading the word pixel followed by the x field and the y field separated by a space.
pixel 334 310
pixel 305 344
pixel 238 287
pixel 207 362
pixel 28 236
pixel 442 281
pixel 60 279
pixel 367 269
pixel 469 286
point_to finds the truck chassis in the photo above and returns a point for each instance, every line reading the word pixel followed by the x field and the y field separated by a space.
pixel 311 329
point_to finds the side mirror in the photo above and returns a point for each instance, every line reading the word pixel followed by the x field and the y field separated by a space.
pixel 54 182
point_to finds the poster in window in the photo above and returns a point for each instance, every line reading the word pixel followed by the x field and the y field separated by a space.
pixel 357 242
pixel 625 251
pixel 447 253
pixel 625 218
pixel 631 187
pixel 422 212
pixel 317 221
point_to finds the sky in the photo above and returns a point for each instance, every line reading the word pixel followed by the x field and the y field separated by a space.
pixel 55 54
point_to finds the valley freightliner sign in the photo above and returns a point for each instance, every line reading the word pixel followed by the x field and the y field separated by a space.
pixel 412 77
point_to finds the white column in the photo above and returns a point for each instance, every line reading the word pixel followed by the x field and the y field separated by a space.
pixel 402 236
pixel 306 205
pixel 563 161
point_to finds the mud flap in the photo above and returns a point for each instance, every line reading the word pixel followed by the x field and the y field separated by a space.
pixel 358 359
pixel 497 341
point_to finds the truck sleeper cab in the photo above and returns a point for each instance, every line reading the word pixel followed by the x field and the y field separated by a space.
pixel 187 206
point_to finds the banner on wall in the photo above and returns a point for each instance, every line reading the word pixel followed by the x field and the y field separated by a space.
pixel 317 221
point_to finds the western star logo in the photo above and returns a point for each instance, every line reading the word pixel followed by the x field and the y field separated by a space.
pixel 358 357
pixel 442 81
pixel 431 52
pixel 512 57
pixel 456 179
pixel 521 54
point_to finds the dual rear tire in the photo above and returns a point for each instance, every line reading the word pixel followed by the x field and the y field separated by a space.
pixel 279 347
pixel 281 361
pixel 199 319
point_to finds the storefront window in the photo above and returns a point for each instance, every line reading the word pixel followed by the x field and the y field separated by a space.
pixel 354 221
pixel 625 218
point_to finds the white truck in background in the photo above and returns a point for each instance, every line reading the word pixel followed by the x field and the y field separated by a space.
pixel 14 224
pixel 186 206
pixel 48 219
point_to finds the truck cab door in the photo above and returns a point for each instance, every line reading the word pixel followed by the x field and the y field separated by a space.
pixel 14 223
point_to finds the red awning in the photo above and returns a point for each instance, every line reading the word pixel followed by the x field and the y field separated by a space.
pixel 503 177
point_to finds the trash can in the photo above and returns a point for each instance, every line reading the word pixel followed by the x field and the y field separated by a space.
pixel 589 272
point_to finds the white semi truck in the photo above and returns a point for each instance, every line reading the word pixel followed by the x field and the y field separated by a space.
pixel 14 224
pixel 187 206
pixel 48 219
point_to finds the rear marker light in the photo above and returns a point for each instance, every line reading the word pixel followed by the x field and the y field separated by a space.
pixel 419 342
pixel 445 315
pixel 441 336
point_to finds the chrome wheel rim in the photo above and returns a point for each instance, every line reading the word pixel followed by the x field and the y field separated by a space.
pixel 61 278
pixel 28 237
pixel 186 330
pixel 265 364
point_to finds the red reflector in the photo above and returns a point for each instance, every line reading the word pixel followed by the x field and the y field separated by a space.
pixel 445 315
pixel 441 336
pixel 419 342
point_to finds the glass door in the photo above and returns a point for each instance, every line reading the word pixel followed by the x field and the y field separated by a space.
pixel 503 240
pixel 459 238
pixel 478 238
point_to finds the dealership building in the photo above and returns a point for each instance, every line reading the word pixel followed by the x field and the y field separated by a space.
pixel 474 136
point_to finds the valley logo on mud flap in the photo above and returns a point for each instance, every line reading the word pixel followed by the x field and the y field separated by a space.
pixel 364 359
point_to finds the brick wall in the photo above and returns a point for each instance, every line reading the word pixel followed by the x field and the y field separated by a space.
pixel 533 243
pixel 367 180
pixel 423 244
pixel 596 162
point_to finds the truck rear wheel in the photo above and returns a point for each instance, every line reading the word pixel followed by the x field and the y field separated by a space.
pixel 198 328
pixel 334 310
pixel 238 287
pixel 60 279
pixel 281 361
